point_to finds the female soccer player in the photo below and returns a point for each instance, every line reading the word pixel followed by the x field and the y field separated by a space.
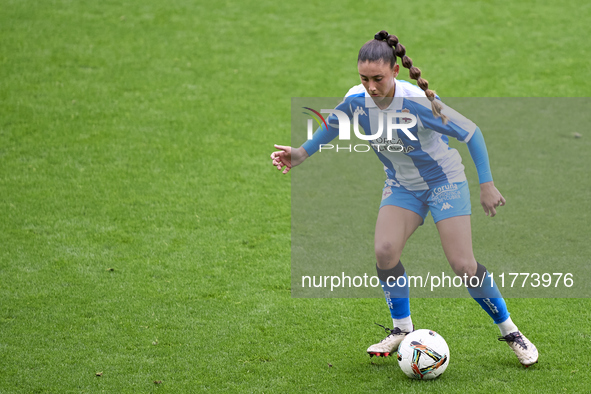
pixel 424 175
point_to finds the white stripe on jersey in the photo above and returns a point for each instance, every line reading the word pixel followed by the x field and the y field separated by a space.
pixel 438 163
pixel 406 172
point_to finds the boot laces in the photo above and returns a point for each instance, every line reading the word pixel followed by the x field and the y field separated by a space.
pixel 389 331
pixel 514 337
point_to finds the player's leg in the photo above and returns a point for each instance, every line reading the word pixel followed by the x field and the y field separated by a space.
pixel 393 228
pixel 456 239
pixel 451 209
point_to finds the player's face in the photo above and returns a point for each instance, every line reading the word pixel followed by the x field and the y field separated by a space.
pixel 378 78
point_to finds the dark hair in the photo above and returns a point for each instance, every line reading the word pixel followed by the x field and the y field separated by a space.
pixel 386 47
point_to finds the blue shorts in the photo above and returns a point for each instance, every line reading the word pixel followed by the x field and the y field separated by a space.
pixel 445 201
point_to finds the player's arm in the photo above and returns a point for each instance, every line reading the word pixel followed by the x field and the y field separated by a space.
pixel 464 130
pixel 490 197
pixel 289 157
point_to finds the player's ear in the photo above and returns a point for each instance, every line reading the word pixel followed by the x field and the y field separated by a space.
pixel 395 70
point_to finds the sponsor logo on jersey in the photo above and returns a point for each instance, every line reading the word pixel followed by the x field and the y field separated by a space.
pixel 393 145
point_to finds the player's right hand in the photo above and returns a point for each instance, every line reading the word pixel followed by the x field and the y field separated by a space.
pixel 288 157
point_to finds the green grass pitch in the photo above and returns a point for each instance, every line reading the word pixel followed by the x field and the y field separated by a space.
pixel 145 237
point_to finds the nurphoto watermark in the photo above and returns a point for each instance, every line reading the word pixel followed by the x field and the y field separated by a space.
pixel 336 195
pixel 388 122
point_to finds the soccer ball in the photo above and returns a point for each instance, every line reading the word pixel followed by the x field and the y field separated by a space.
pixel 423 354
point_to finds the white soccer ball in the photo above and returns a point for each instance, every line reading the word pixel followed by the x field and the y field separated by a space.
pixel 423 354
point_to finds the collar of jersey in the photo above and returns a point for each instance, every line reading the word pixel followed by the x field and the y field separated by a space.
pixel 395 105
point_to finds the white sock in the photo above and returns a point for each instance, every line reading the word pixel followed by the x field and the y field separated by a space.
pixel 404 324
pixel 507 327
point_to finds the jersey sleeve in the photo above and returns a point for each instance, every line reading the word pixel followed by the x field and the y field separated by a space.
pixel 479 154
pixel 460 128
pixel 457 126
pixel 323 135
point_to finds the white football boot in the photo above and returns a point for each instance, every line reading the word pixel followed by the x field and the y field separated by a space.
pixel 388 345
pixel 526 352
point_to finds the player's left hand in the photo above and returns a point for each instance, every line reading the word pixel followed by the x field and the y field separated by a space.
pixel 490 198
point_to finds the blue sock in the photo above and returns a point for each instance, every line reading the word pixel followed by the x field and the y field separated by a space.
pixel 486 293
pixel 397 296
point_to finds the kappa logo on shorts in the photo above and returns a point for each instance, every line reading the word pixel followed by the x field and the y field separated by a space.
pixel 446 205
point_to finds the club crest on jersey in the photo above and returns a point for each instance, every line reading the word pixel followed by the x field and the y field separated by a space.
pixel 406 120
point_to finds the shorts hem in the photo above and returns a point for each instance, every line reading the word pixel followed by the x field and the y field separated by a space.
pixel 452 215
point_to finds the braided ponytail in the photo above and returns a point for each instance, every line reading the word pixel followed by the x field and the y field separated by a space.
pixel 415 73
pixel 375 50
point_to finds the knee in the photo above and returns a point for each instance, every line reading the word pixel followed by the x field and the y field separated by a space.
pixel 387 254
pixel 463 266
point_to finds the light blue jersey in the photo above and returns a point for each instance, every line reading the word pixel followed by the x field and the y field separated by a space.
pixel 420 164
